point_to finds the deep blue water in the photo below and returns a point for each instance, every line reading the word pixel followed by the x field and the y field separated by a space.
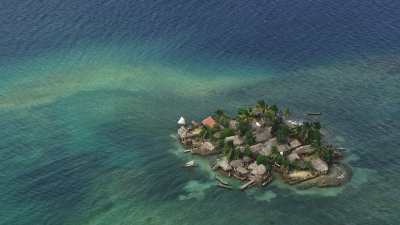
pixel 90 92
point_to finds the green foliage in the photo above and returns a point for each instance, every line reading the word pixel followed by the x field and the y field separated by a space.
pixel 221 118
pixel 235 154
pixel 243 126
pixel 282 133
pixel 207 132
pixel 309 133
pixel 274 108
pixel 220 143
pixel 247 151
pixel 326 153
pixel 249 138
pixel 228 150
pixel 286 112
pixel 276 156
pixel 227 132
pixel 261 159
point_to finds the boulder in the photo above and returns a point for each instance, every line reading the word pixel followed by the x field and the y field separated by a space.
pixel 236 163
pixel 204 149
pixel 320 166
pixel 263 134
pixel 306 149
pixel 294 144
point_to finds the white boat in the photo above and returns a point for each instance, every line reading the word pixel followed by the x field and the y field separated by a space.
pixel 190 164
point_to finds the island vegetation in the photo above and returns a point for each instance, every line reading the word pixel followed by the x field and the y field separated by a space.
pixel 260 143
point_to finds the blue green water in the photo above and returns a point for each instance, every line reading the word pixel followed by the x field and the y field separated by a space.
pixel 90 92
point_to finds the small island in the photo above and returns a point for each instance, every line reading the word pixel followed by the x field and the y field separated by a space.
pixel 260 144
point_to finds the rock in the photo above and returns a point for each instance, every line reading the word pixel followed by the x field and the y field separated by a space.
pixel 236 163
pixel 294 144
pixel 233 124
pixel 304 150
pixel 293 157
pixel 242 171
pixel 320 166
pixel 223 164
pixel 263 134
pixel 205 149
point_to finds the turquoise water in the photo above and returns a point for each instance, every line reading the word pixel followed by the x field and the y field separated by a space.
pixel 90 94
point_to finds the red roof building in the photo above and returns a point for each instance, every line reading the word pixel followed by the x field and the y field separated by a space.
pixel 209 122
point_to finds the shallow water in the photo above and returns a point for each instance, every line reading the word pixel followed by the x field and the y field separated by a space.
pixel 90 93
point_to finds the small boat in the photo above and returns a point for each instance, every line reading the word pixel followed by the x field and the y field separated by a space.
pixel 225 186
pixel 313 113
pixel 187 151
pixel 221 180
pixel 190 164
pixel 246 185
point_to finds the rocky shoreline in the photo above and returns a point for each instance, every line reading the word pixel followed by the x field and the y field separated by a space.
pixel 260 144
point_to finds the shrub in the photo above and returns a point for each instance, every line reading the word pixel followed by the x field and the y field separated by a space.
pixel 243 126
pixel 236 154
pixel 249 138
pixel 282 134
pixel 326 153
pixel 227 132
pixel 247 151
pixel 261 159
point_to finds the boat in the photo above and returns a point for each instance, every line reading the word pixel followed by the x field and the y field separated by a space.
pixel 190 164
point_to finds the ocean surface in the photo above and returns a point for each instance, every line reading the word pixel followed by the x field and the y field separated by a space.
pixel 90 92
